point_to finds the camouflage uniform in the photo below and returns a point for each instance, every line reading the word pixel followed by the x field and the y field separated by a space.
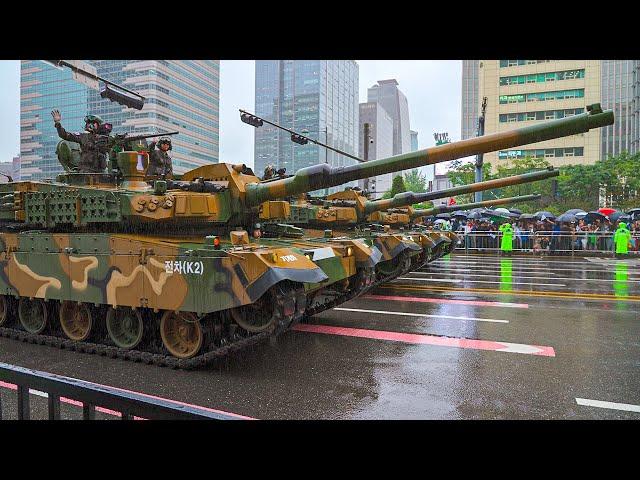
pixel 159 162
pixel 92 157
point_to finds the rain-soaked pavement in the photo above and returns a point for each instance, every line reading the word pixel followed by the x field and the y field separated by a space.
pixel 469 337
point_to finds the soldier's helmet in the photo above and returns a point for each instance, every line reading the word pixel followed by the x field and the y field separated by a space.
pixel 269 171
pixel 89 120
pixel 165 140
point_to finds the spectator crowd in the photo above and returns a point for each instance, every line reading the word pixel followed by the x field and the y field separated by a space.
pixel 540 236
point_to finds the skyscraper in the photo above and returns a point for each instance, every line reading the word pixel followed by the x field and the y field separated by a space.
pixel 523 92
pixel 318 98
pixel 635 108
pixel 180 95
pixel 414 140
pixel 381 134
pixel 617 95
pixel 470 102
pixel 387 94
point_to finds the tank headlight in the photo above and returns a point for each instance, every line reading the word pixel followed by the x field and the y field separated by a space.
pixel 309 256
pixel 349 251
pixel 274 257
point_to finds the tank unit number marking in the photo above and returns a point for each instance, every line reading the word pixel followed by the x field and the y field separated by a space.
pixel 183 267
pixel 288 258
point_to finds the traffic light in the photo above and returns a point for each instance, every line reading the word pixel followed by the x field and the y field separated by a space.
pixel 251 120
pixel 299 139
pixel 122 98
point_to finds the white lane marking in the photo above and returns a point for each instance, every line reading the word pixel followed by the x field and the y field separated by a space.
pixel 518 348
pixel 545 270
pixel 448 280
pixel 514 262
pixel 522 276
pixel 627 407
pixel 493 275
pixel 384 312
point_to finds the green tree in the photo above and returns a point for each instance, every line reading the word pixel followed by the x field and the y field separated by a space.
pixel 463 174
pixel 397 186
pixel 416 182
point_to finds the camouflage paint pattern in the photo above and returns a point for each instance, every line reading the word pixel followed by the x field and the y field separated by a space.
pixel 139 271
pixel 323 176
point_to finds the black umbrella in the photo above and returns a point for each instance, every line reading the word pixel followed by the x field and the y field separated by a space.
pixel 515 210
pixel 615 216
pixel 566 217
pixel 444 215
pixel 527 216
pixel 545 215
pixel 634 212
pixel 474 215
pixel 593 216
pixel 460 214
pixel 575 210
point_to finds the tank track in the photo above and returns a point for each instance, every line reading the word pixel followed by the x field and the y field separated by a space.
pixel 285 296
pixel 350 295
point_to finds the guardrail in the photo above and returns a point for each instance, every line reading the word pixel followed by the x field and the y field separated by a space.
pixel 546 242
pixel 91 395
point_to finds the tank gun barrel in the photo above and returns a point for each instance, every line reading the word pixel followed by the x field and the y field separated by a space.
pixel 466 206
pixel 323 176
pixel 409 198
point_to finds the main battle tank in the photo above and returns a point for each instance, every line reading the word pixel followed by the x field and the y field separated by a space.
pixel 397 211
pixel 350 211
pixel 346 209
pixel 169 263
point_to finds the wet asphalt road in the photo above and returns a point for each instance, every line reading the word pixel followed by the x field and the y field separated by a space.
pixel 469 337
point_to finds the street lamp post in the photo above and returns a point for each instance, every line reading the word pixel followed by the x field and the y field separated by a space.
pixel 479 157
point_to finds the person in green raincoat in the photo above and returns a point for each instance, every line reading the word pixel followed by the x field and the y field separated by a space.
pixel 622 237
pixel 506 245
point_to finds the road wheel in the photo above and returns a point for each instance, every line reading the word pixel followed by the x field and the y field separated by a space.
pixel 181 333
pixel 6 311
pixel 125 327
pixel 33 315
pixel 76 320
pixel 262 315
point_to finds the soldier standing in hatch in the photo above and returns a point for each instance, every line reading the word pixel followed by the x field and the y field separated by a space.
pixel 93 159
pixel 159 159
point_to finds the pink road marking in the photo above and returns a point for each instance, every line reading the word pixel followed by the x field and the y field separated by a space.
pixel 444 300
pixel 11 386
pixel 176 402
pixel 415 338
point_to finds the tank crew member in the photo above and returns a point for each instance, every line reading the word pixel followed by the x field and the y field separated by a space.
pixel 159 159
pixel 269 172
pixel 257 231
pixel 93 158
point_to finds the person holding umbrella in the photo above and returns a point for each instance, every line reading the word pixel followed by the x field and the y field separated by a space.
pixel 622 238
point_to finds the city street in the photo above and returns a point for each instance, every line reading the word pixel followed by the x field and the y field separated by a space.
pixel 469 337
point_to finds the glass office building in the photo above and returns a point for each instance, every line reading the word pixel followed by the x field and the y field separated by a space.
pixel 617 90
pixel 318 98
pixel 635 108
pixel 180 96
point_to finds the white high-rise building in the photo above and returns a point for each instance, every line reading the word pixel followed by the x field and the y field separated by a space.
pixel 381 145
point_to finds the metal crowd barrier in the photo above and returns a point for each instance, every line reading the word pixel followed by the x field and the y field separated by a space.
pixel 91 395
pixel 545 242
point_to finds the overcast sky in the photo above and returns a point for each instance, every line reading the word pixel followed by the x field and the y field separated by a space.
pixel 432 88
